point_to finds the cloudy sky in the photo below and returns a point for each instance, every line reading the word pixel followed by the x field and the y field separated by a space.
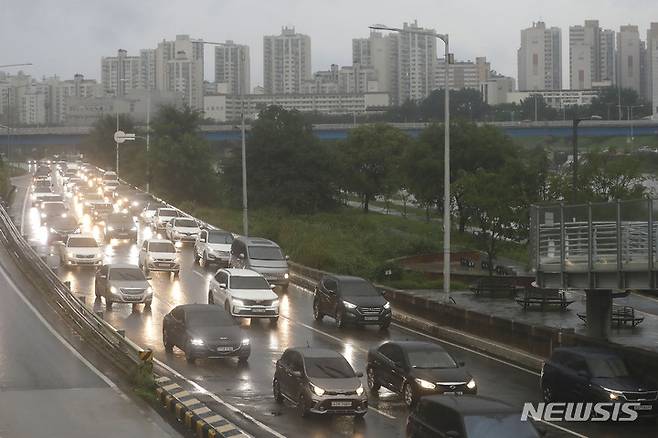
pixel 64 37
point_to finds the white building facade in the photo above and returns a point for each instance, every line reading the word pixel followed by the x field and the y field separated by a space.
pixel 286 62
pixel 232 67
pixel 540 58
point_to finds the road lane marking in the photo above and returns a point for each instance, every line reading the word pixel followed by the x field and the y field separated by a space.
pixel 382 413
pixel 563 429
pixel 219 400
pixel 55 333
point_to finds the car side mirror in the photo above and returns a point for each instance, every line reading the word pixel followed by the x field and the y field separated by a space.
pixel 272 286
pixel 103 276
pixel 297 374
pixel 149 278
pixel 359 374
pixel 202 240
pixel 222 285
pixel 241 256
pixel 287 257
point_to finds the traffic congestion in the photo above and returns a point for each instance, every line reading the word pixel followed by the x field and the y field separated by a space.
pixel 223 310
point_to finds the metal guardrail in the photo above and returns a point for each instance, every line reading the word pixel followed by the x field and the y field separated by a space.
pixel 93 328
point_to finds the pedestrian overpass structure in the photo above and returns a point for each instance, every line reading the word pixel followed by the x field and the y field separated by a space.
pixel 604 249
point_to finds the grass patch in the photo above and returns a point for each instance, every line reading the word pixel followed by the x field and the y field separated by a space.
pixel 346 241
pixel 416 280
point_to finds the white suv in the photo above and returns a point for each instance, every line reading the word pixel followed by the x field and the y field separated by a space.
pixel 213 246
pixel 182 229
pixel 81 249
pixel 163 216
pixel 159 255
pixel 244 293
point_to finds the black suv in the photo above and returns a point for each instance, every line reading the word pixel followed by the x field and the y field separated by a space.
pixel 120 226
pixel 466 416
pixel 350 299
pixel 584 374
pixel 415 369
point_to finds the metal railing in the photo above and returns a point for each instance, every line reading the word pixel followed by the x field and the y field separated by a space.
pixel 91 326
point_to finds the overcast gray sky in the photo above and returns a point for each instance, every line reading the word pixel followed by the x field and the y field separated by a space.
pixel 64 37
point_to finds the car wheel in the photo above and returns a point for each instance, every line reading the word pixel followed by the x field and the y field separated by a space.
pixel 211 299
pixel 96 290
pixel 243 359
pixel 190 358
pixel 276 390
pixel 108 304
pixel 373 384
pixel 409 394
pixel 302 406
pixel 147 305
pixel 340 319
pixel 317 315
pixel 169 347
pixel 359 416
pixel 227 307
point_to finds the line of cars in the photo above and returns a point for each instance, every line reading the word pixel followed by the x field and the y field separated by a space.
pixel 439 390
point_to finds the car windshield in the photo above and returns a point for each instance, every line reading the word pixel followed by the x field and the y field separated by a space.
pixel 208 318
pixel 357 288
pixel 608 367
pixel 186 223
pixel 328 368
pixel 168 212
pixel 162 247
pixel 248 283
pixel 126 274
pixel 265 253
pixel 120 219
pixel 66 223
pixel 485 426
pixel 220 238
pixel 83 242
pixel 53 207
pixel 430 359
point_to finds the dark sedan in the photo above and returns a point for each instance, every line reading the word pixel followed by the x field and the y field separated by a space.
pixel 350 300
pixel 60 227
pixel 415 369
pixel 120 226
pixel 204 331
pixel 582 374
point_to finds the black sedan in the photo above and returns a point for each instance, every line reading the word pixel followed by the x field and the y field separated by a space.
pixel 60 227
pixel 415 369
pixel 350 300
pixel 204 331
pixel 120 226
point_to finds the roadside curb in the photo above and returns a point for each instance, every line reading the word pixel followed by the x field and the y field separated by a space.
pixel 194 414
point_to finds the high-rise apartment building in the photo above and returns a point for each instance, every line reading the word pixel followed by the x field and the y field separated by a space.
pixel 286 61
pixel 462 74
pixel 179 68
pixel 540 58
pixel 123 74
pixel 416 63
pixel 147 69
pixel 652 67
pixel 591 55
pixel 232 66
pixel 378 52
pixel 629 51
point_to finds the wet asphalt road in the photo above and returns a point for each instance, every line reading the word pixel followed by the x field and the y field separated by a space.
pixel 249 387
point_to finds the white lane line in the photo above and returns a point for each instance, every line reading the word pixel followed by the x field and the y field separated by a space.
pixel 55 333
pixel 219 400
pixel 466 349
pixel 563 429
pixel 382 413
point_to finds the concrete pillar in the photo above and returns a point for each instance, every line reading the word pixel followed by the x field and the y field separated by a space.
pixel 599 312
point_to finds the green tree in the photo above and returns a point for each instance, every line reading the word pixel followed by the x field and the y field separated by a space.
pixel 181 160
pixel 371 156
pixel 423 170
pixel 287 166
pixel 606 104
pixel 99 146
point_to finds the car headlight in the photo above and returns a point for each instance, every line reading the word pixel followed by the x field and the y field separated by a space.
pixel 387 305
pixel 237 302
pixel 425 384
pixel 110 228
pixel 612 394
pixel 52 230
pixel 197 342
pixel 114 290
pixel 64 215
pixel 133 228
pixel 135 204
pixel 316 389
pixel 359 390
pixel 275 303
pixel 149 290
pixel 471 384
pixel 245 341
pixel 43 215
pixel 349 305
pixel 286 275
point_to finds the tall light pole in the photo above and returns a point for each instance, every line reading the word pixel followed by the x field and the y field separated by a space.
pixel 446 160
pixel 148 142
pixel 245 209
pixel 630 108
pixel 574 142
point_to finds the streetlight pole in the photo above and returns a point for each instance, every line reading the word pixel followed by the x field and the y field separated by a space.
pixel 446 160
pixel 148 142
pixel 574 141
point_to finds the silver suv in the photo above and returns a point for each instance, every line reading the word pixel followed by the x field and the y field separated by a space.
pixel 123 283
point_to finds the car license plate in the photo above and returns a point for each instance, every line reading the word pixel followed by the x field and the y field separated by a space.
pixel 258 310
pixel 453 393
pixel 644 408
pixel 371 318
pixel 341 404
pixel 164 265
pixel 224 349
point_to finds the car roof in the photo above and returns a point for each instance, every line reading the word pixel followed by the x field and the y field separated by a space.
pixel 242 272
pixel 316 352
pixel 160 241
pixel 587 351
pixel 257 241
pixel 471 404
pixel 182 218
pixel 416 345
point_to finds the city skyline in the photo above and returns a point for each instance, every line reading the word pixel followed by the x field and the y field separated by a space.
pixel 330 31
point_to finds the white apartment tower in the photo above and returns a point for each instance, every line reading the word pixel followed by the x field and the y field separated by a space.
pixel 179 68
pixel 628 58
pixel 232 66
pixel 379 53
pixel 652 64
pixel 122 74
pixel 416 63
pixel 462 74
pixel 540 58
pixel 286 62
pixel 591 55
